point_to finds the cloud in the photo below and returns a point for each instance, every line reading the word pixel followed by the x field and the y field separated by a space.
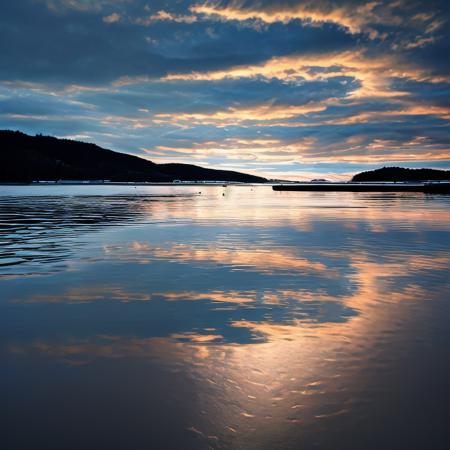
pixel 313 151
pixel 373 18
pixel 374 73
pixel 81 5
pixel 164 16
pixel 351 17
pixel 238 115
pixel 112 18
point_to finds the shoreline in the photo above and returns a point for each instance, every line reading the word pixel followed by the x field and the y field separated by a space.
pixel 442 187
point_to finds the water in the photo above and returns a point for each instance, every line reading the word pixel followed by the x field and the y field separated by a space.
pixel 223 318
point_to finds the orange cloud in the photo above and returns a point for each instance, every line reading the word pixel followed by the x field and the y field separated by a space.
pixel 309 150
pixel 374 74
pixel 112 18
pixel 351 17
pixel 237 115
pixel 164 16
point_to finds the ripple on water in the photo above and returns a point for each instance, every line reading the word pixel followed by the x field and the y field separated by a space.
pixel 47 229
pixel 284 315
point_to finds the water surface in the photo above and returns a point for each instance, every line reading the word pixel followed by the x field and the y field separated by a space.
pixel 224 318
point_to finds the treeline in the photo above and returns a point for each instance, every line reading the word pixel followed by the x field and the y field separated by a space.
pixel 402 174
pixel 25 158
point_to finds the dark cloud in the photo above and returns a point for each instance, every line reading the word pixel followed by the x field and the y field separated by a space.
pixel 62 44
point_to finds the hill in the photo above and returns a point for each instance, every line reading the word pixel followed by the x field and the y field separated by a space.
pixel 25 158
pixel 402 174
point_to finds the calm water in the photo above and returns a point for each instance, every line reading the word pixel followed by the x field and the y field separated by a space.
pixel 235 318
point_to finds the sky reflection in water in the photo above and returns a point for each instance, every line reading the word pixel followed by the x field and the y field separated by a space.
pixel 232 318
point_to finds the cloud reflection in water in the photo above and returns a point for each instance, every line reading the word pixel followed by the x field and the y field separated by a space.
pixel 285 315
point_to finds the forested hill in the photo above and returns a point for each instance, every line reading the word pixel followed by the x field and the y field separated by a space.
pixel 25 158
pixel 402 174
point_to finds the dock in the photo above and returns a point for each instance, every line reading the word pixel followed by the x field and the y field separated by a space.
pixel 436 187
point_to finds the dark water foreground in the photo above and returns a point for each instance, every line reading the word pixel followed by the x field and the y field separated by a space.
pixel 238 318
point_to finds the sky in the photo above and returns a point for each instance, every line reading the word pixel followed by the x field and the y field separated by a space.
pixel 285 89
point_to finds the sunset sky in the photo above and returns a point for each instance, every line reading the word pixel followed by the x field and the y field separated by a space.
pixel 283 89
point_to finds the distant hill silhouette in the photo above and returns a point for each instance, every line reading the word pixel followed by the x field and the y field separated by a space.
pixel 25 158
pixel 402 174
